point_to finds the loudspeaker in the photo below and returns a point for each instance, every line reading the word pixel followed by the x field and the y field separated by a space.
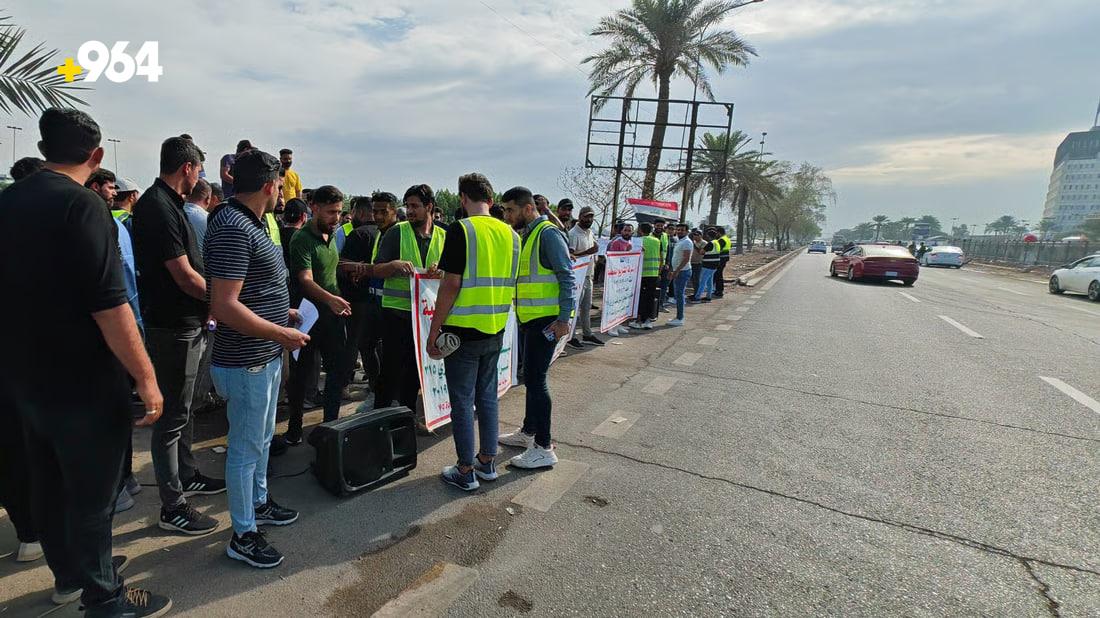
pixel 364 451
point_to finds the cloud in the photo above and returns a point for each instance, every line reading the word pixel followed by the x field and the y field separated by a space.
pixel 957 158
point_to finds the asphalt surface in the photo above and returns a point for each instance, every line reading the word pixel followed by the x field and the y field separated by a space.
pixel 809 446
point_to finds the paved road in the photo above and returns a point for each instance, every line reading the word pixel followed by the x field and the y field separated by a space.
pixel 810 446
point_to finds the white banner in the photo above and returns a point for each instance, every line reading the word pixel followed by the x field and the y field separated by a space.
pixel 580 274
pixel 433 376
pixel 622 284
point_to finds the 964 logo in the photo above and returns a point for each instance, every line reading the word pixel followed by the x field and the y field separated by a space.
pixel 94 60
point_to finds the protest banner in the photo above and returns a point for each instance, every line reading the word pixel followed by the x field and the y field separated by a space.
pixel 622 284
pixel 433 375
pixel 580 273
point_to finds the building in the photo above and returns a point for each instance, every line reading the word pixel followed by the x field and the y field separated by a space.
pixel 1074 193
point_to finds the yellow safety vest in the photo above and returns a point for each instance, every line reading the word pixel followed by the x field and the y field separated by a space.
pixel 396 293
pixel 727 244
pixel 121 215
pixel 664 246
pixel 489 281
pixel 536 287
pixel 651 258
pixel 273 229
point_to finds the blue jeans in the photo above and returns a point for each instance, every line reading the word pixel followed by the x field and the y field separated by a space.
pixel 680 287
pixel 537 354
pixel 472 384
pixel 706 283
pixel 251 394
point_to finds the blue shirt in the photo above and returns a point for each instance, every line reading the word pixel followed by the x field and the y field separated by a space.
pixel 554 255
pixel 129 272
pixel 196 216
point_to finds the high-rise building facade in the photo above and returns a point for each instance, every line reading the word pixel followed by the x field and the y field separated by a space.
pixel 1074 193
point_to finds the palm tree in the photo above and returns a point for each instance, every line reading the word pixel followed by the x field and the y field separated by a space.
pixel 30 83
pixel 657 40
pixel 880 220
pixel 1003 225
pixel 862 231
pixel 906 224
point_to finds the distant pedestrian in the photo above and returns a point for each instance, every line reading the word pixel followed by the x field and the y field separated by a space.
pixel 198 207
pixel 226 168
pixel 651 276
pixel 712 259
pixel 681 270
pixel 292 183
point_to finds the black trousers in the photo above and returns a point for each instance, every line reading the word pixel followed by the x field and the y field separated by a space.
pixel 537 354
pixel 176 354
pixel 327 339
pixel 76 460
pixel 647 299
pixel 365 338
pixel 15 475
pixel 399 379
pixel 719 278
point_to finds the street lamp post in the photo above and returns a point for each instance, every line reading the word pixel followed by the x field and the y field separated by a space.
pixel 13 130
pixel 116 142
pixel 763 137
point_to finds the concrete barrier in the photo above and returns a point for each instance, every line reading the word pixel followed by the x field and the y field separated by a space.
pixel 751 279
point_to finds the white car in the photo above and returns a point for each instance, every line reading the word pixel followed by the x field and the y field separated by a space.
pixel 943 256
pixel 1082 276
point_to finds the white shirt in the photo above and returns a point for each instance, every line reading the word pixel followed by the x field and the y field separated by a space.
pixel 682 246
pixel 581 240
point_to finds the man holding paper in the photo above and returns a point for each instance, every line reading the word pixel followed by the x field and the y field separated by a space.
pixel 313 263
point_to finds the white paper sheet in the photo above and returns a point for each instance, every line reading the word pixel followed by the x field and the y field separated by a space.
pixel 308 314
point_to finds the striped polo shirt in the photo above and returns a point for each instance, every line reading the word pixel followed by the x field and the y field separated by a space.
pixel 238 248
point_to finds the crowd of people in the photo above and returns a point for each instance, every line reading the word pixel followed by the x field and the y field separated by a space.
pixel 170 297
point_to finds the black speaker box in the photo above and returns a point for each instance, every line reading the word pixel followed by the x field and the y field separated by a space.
pixel 364 451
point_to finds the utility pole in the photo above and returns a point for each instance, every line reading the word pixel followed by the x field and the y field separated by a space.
pixel 763 138
pixel 116 142
pixel 13 130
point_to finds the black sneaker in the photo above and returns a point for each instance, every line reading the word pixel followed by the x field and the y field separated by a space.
pixel 200 485
pixel 272 514
pixel 187 520
pixel 252 548
pixel 133 603
pixel 64 597
pixel 292 439
pixel 576 343
pixel 594 340
pixel 279 446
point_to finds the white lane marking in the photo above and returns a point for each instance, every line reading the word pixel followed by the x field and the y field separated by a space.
pixel 964 329
pixel 734 317
pixel 687 359
pixel 758 295
pixel 1077 395
pixel 1083 310
pixel 749 302
pixel 1012 291
pixel 708 341
pixel 659 385
pixel 743 308
pixel 550 486
pixel 617 424
pixel 723 327
pixel 910 297
pixel 433 593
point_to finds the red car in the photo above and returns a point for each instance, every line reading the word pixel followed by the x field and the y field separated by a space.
pixel 884 262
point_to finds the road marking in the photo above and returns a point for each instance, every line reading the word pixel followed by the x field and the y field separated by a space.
pixel 1077 395
pixel 432 593
pixel 743 308
pixel 551 485
pixel 1012 291
pixel 617 424
pixel 758 295
pixel 1084 310
pixel 910 297
pixel 734 317
pixel 659 385
pixel 687 359
pixel 708 341
pixel 964 329
pixel 723 327
pixel 749 302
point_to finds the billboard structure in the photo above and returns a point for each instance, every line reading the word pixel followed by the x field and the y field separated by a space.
pixel 620 136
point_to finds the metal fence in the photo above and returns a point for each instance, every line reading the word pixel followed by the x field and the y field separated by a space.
pixel 1020 253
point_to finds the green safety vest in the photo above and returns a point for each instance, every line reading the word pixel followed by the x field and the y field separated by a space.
pixel 727 244
pixel 273 229
pixel 489 281
pixel 651 258
pixel 396 293
pixel 664 246
pixel 121 215
pixel 536 287
pixel 348 227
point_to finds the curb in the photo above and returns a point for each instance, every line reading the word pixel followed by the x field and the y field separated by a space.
pixel 752 278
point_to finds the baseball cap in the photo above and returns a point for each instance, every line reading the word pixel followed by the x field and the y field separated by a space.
pixel 123 185
pixel 565 203
pixel 586 210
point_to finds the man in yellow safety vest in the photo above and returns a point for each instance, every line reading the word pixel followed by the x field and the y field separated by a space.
pixel 724 246
pixel 651 276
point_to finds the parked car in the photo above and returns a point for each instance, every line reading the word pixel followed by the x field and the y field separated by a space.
pixel 943 256
pixel 886 262
pixel 1082 277
pixel 818 246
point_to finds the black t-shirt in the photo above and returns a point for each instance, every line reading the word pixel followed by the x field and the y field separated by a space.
pixel 453 260
pixel 60 264
pixel 162 232
pixel 358 247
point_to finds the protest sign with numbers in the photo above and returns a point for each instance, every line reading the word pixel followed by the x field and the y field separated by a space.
pixel 621 285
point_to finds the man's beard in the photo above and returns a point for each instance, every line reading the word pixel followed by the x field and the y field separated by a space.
pixel 584 224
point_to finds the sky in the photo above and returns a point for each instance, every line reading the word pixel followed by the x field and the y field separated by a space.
pixel 945 107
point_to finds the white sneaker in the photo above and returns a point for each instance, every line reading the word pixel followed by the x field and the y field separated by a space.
pixel 124 501
pixel 534 458
pixel 675 322
pixel 648 325
pixel 29 552
pixel 518 439
pixel 623 331
pixel 635 324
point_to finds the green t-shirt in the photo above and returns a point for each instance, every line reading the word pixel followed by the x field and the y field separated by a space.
pixel 309 251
